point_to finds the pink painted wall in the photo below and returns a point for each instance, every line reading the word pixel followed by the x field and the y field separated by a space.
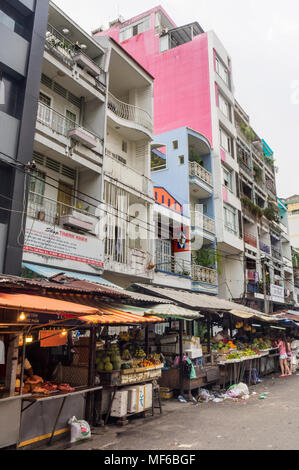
pixel 182 81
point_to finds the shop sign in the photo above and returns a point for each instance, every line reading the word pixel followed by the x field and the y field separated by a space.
pixel 56 242
pixel 277 293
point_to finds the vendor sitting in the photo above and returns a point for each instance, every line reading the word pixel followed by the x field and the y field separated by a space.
pixel 241 335
pixel 222 335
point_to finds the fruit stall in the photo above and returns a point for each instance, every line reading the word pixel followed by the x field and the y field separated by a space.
pixel 249 355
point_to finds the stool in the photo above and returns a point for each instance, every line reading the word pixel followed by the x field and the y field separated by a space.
pixel 156 397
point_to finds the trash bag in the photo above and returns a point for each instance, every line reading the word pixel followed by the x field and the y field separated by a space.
pixel 238 391
pixel 80 429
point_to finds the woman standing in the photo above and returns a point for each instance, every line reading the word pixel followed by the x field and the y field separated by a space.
pixel 283 357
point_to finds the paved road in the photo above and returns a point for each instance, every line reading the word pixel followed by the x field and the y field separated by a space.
pixel 269 424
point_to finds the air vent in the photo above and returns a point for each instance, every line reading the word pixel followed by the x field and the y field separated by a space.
pixel 47 81
pixel 60 90
pixel 74 99
pixel 38 158
pixel 68 172
pixel 53 165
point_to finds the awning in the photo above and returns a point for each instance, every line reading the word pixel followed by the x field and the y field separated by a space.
pixel 173 311
pixel 38 304
pixel 201 302
pixel 46 271
pixel 257 315
pixel 112 315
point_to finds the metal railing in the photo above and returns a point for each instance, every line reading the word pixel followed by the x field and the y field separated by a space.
pixel 250 239
pixel 170 264
pixel 245 167
pixel 64 49
pixel 49 211
pixel 276 253
pixel 208 224
pixel 202 274
pixel 130 113
pixel 195 169
pixel 57 122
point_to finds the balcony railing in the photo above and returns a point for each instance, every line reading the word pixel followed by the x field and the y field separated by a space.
pixel 265 248
pixel 202 274
pixel 245 167
pixel 63 49
pixel 55 212
pixel 170 264
pixel 250 239
pixel 63 126
pixel 208 224
pixel 276 253
pixel 195 169
pixel 130 113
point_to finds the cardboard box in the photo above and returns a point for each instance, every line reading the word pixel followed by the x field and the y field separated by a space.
pixel 194 353
pixel 120 404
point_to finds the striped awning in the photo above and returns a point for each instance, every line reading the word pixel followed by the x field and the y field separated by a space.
pixel 111 315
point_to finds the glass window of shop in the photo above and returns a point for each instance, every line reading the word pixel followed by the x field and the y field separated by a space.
pixel 11 95
pixel 230 219
pixel 14 20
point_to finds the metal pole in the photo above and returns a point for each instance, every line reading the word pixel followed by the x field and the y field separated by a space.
pixel 209 332
pixel 181 357
pixel 266 307
pixel 22 364
pixel 146 340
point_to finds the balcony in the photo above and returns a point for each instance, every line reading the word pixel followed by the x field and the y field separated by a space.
pixel 205 275
pixel 132 115
pixel 69 54
pixel 171 265
pixel 265 248
pixel 276 254
pixel 245 167
pixel 195 169
pixel 65 127
pixel 57 213
pixel 207 224
pixel 250 239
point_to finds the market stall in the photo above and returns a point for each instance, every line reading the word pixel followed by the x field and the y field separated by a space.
pixel 185 368
pixel 37 334
pixel 125 367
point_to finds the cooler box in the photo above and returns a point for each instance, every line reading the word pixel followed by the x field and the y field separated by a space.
pixel 120 404
pixel 132 400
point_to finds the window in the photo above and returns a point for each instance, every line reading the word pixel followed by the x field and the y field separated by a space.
pixel 181 160
pixel 225 107
pixel 168 202
pixel 226 142
pixel 133 30
pixel 37 187
pixel 124 146
pixel 228 178
pixel 14 20
pixel 156 195
pixel 230 219
pixel 222 71
pixel 175 144
pixel 162 199
pixel 11 95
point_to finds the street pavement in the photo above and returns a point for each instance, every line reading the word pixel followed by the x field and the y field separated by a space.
pixel 256 424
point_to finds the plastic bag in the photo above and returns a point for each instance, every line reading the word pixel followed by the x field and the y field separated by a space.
pixel 238 391
pixel 80 429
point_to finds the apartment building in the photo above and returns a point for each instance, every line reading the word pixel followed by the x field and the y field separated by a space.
pixel 128 188
pixel 267 250
pixel 194 88
pixel 292 204
pixel 181 166
pixel 22 32
pixel 65 189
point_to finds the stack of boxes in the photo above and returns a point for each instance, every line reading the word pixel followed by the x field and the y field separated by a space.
pixel 133 399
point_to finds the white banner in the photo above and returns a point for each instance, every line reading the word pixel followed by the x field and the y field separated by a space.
pixel 47 240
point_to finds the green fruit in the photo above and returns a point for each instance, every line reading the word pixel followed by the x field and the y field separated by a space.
pixel 108 366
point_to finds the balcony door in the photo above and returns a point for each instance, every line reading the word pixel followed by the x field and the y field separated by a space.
pixel 164 255
pixel 44 109
pixel 64 199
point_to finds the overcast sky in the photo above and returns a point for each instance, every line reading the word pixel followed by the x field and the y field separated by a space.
pixel 261 36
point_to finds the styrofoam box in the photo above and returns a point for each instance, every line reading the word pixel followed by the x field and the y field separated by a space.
pixel 194 353
pixel 120 404
pixel 132 400
pixel 168 339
